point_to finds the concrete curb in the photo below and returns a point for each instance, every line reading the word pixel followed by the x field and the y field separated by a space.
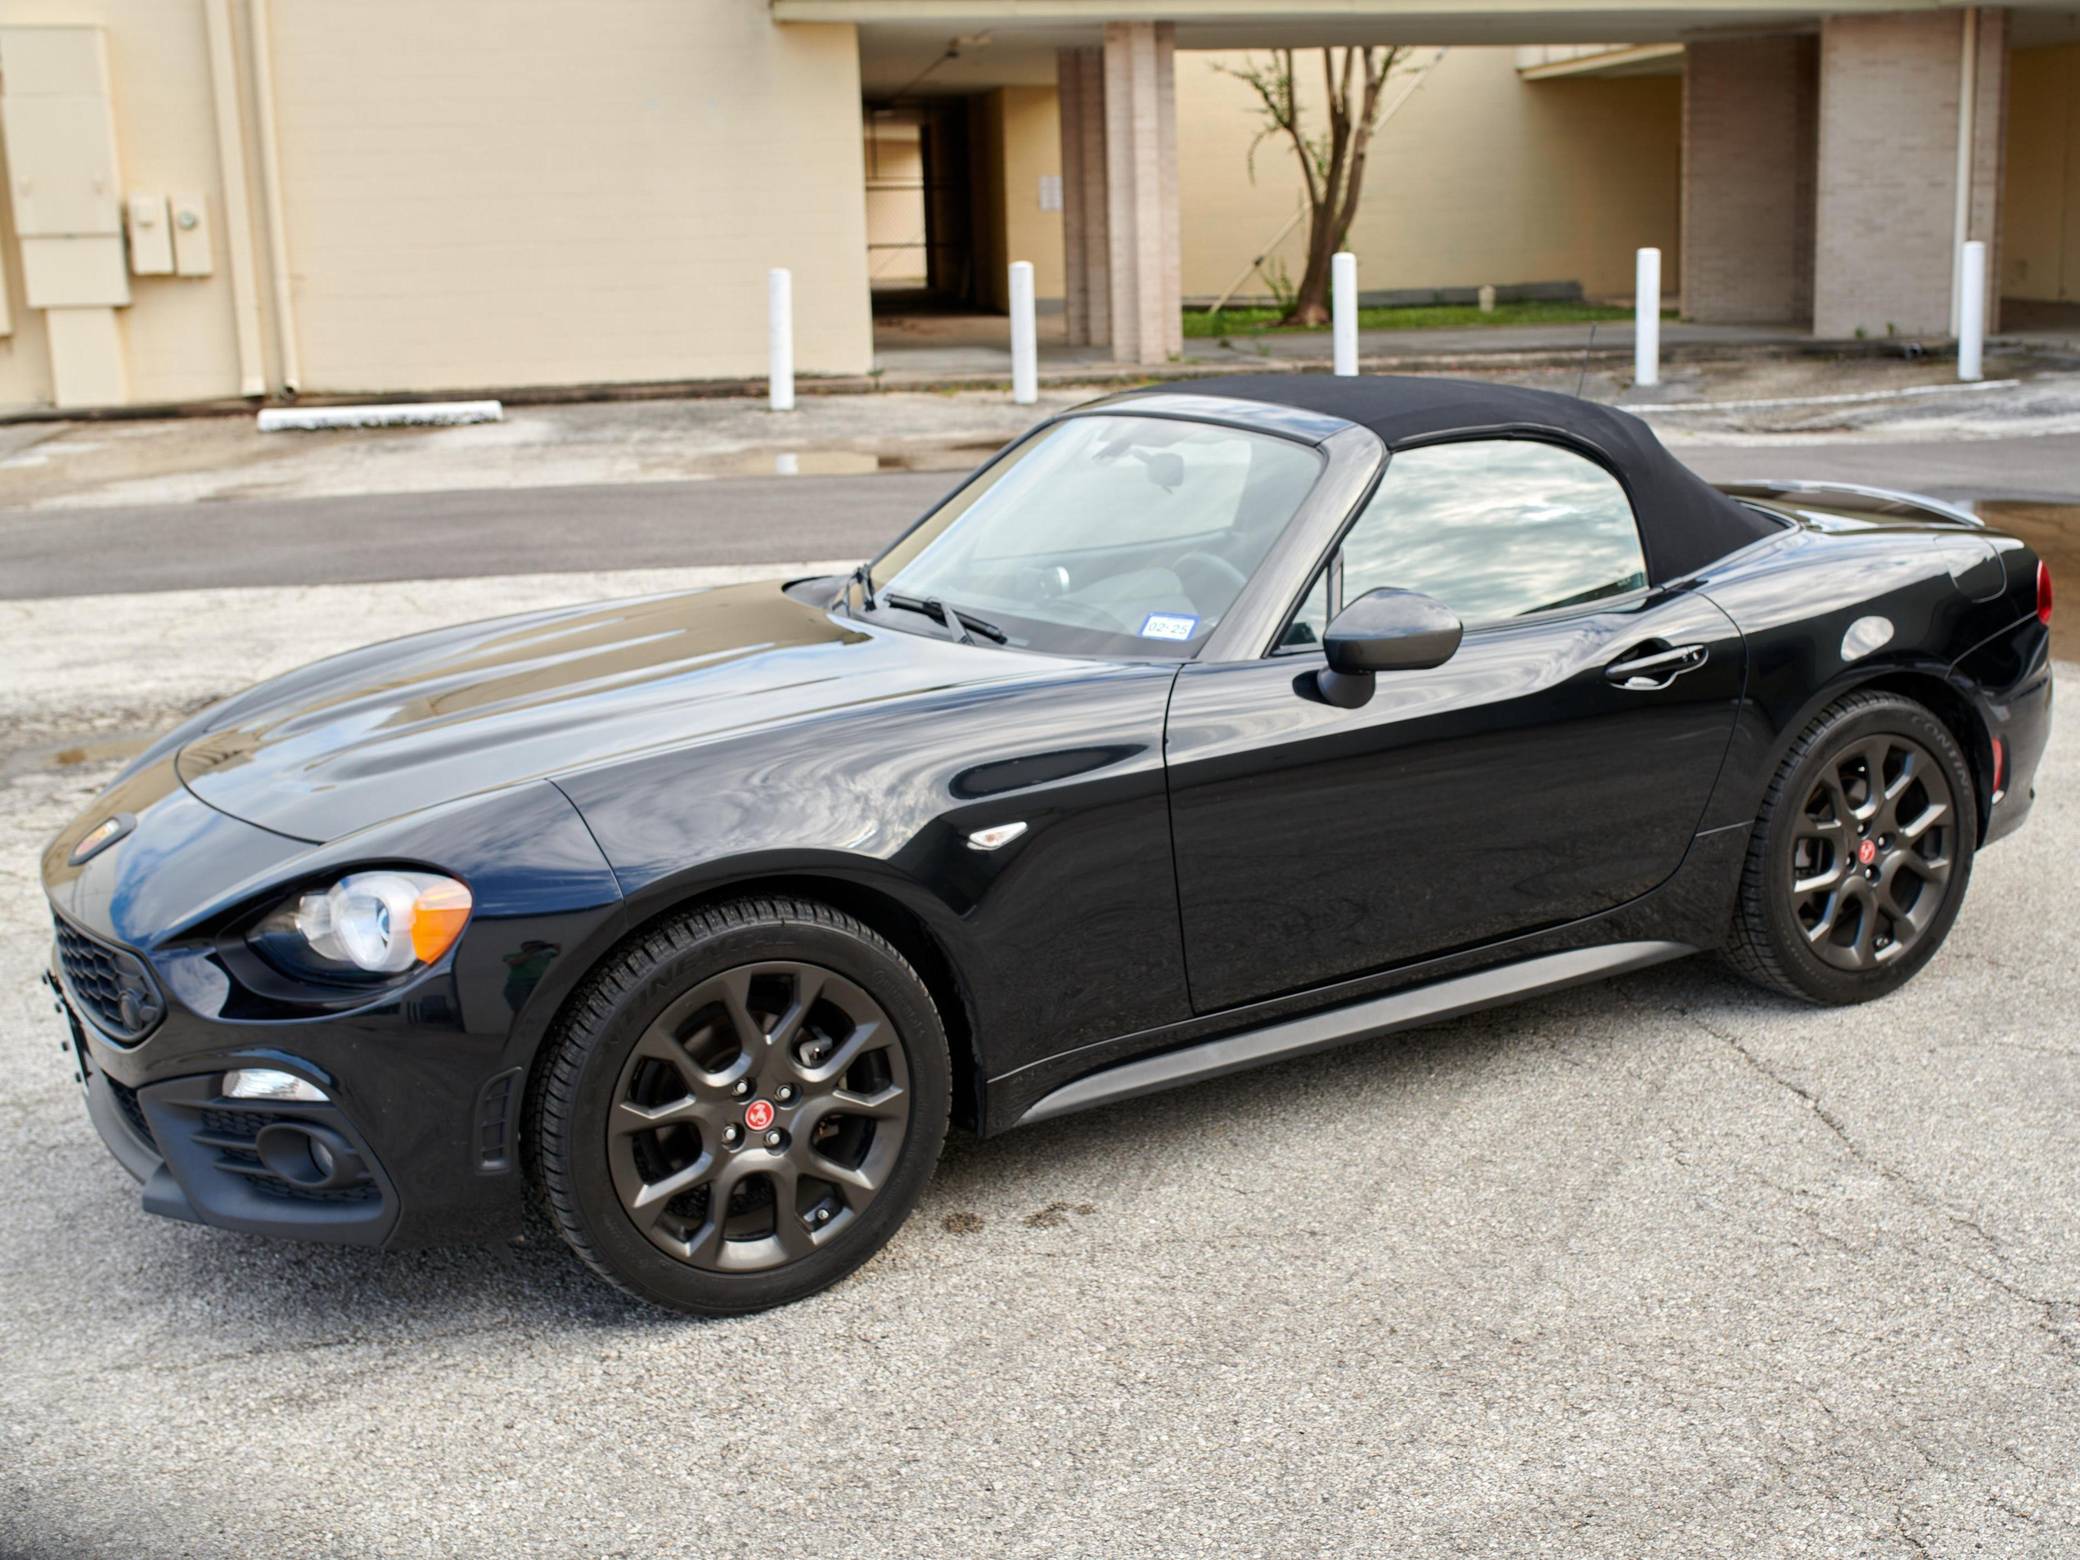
pixel 1099 376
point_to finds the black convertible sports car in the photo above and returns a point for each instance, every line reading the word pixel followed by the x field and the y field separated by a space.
pixel 1198 728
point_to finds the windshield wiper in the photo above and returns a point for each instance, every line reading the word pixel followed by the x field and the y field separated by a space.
pixel 963 624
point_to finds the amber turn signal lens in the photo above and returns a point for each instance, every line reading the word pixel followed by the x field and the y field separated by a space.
pixel 438 915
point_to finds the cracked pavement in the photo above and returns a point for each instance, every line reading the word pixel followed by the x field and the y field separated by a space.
pixel 1665 1265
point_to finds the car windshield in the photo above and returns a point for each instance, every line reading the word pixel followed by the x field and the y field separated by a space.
pixel 1105 535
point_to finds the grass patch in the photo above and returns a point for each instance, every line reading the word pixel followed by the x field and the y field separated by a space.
pixel 1201 326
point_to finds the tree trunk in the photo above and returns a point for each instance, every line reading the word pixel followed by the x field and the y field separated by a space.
pixel 1332 167
pixel 1311 300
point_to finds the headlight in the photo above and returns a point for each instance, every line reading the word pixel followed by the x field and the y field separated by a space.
pixel 368 923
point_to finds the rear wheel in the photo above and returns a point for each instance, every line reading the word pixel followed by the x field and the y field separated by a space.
pixel 1860 859
pixel 744 1107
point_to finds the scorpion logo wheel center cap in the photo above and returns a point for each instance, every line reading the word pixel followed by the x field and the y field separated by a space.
pixel 758 1115
pixel 1867 852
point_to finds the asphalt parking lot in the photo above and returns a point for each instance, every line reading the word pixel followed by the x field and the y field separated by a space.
pixel 1659 1266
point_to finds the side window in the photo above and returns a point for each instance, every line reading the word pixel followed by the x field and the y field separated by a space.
pixel 1496 529
pixel 1311 622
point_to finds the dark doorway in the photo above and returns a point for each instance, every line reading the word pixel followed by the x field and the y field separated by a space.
pixel 920 205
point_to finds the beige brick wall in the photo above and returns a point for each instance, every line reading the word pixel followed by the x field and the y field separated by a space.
pixel 1884 224
pixel 488 193
pixel 1032 151
pixel 1017 143
pixel 1749 108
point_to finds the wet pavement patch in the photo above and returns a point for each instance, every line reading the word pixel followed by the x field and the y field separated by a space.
pixel 845 462
pixel 76 752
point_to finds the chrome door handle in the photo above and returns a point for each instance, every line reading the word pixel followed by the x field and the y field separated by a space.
pixel 1643 673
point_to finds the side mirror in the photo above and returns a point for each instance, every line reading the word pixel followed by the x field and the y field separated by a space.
pixel 1385 631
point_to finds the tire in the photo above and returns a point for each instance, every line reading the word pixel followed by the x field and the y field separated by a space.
pixel 696 1045
pixel 1834 903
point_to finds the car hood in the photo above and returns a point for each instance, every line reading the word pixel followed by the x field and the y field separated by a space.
pixel 382 732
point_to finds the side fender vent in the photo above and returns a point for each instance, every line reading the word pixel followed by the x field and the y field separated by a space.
pixel 498 1123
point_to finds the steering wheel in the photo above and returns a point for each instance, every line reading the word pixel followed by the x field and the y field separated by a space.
pixel 1047 581
pixel 1209 579
pixel 1085 615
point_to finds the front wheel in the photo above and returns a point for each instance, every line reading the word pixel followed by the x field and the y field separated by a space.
pixel 743 1108
pixel 1860 858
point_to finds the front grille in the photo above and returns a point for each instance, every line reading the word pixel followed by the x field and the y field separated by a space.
pixel 133 1113
pixel 113 986
pixel 233 1134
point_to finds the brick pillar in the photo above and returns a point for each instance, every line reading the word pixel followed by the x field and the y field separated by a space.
pixel 1087 286
pixel 1884 227
pixel 1750 107
pixel 1141 183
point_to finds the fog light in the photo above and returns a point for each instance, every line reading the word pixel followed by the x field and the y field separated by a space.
pixel 314 1158
pixel 268 1083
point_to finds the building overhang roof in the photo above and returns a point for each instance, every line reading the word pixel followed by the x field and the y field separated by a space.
pixel 1011 42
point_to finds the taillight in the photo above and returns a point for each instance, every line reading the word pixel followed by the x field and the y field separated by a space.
pixel 2044 593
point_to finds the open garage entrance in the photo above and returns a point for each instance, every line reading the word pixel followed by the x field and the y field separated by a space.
pixel 959 183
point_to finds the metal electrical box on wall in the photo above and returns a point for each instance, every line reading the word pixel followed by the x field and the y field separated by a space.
pixel 59 121
pixel 151 235
pixel 191 253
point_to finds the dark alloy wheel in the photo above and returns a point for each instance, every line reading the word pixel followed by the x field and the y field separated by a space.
pixel 1870 851
pixel 758 1116
pixel 1859 861
pixel 743 1106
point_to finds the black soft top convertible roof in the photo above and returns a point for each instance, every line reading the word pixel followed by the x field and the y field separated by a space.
pixel 1684 522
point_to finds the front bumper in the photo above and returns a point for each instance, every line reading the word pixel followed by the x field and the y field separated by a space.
pixel 237 1164
pixel 423 1082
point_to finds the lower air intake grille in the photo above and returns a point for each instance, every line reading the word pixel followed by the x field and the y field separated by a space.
pixel 234 1135
pixel 133 1113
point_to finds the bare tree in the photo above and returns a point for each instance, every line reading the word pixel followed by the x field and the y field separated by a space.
pixel 1332 163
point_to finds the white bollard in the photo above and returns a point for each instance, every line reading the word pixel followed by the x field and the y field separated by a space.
pixel 1025 344
pixel 1343 311
pixel 780 338
pixel 1646 327
pixel 1971 311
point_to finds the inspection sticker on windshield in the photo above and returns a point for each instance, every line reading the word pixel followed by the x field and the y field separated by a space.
pixel 1168 625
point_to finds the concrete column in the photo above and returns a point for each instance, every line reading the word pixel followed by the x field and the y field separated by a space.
pixel 1990 151
pixel 1087 288
pixel 1885 241
pixel 1750 110
pixel 1141 185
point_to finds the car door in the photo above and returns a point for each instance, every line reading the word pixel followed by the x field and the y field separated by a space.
pixel 1555 766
